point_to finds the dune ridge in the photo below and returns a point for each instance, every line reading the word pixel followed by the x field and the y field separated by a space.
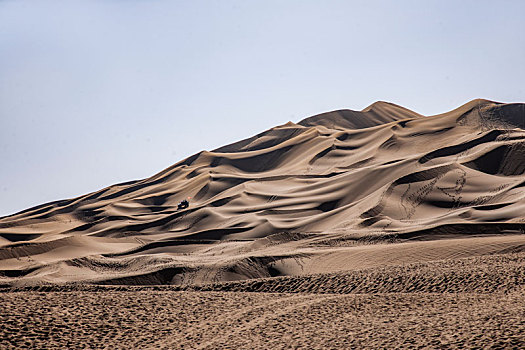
pixel 301 198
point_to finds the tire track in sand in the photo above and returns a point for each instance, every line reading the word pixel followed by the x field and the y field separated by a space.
pixel 262 316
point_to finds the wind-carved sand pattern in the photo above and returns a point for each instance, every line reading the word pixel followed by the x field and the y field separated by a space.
pixel 409 210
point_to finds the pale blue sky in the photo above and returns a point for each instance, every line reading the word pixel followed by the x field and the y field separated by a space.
pixel 94 93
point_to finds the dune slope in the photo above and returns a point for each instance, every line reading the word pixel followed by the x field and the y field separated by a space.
pixel 340 191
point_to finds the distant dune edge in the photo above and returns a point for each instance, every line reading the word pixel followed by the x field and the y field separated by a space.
pixel 331 204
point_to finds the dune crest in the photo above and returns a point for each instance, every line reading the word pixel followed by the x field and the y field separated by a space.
pixel 273 204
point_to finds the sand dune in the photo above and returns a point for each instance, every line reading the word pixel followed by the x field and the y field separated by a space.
pixel 341 191
pixel 374 229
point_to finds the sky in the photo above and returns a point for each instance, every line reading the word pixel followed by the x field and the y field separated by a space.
pixel 94 93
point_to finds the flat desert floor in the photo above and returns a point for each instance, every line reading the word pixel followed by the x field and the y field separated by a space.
pixel 127 319
pixel 474 302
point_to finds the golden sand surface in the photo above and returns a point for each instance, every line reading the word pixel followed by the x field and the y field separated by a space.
pixel 466 303
pixel 237 320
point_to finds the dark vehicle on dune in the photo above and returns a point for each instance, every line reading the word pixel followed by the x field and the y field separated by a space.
pixel 183 204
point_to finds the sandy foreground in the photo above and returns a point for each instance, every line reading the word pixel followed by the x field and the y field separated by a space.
pixel 475 302
pixel 211 320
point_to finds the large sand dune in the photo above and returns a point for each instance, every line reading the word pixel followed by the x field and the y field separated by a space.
pixel 339 192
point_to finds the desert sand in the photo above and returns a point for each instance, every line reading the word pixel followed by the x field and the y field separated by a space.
pixel 147 319
pixel 373 228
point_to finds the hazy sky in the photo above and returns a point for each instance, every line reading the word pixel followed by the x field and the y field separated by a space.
pixel 94 93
